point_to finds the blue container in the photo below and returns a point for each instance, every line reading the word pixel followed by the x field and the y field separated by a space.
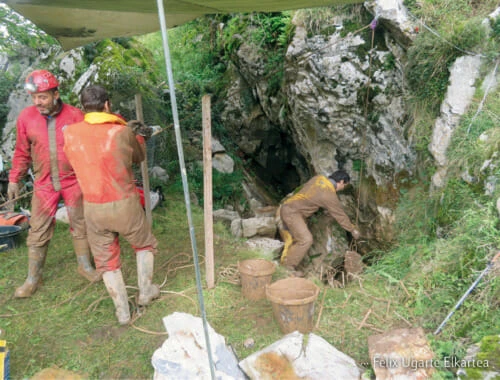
pixel 9 237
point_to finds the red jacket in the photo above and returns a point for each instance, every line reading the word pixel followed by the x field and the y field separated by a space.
pixel 102 150
pixel 32 145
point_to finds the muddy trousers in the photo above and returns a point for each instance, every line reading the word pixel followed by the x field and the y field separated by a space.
pixel 302 238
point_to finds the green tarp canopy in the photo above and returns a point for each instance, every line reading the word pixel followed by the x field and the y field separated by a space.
pixel 76 23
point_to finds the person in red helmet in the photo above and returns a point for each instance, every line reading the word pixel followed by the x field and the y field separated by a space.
pixel 39 144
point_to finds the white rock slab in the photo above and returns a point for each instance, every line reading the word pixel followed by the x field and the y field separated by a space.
pixel 300 356
pixel 184 355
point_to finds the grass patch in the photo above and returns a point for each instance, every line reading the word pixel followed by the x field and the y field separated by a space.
pixel 70 323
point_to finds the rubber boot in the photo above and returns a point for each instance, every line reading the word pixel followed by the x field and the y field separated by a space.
pixel 116 289
pixel 85 268
pixel 147 290
pixel 36 260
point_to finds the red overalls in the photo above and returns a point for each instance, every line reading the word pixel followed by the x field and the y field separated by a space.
pixel 40 143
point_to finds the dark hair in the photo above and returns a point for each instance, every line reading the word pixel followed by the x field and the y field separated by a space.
pixel 340 175
pixel 93 98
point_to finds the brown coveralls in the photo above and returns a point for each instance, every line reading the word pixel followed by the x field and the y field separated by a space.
pixel 317 193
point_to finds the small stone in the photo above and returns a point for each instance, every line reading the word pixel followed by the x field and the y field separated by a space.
pixel 249 343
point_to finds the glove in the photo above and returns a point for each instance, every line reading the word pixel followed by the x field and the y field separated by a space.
pixel 12 190
pixel 139 128
pixel 355 234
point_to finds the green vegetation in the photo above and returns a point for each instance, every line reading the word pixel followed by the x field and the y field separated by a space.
pixel 453 30
pixel 325 20
pixel 446 238
pixel 21 34
pixel 126 68
pixel 226 187
pixel 415 284
pixel 268 35
pixel 25 42
pixel 7 84
pixel 196 67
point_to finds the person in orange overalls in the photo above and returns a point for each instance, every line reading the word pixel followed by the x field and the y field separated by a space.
pixel 318 192
pixel 102 149
pixel 39 144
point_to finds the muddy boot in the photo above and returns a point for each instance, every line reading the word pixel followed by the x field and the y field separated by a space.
pixel 85 268
pixel 147 290
pixel 116 289
pixel 36 260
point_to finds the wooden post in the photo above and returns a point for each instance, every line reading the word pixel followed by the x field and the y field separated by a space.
pixel 207 191
pixel 144 164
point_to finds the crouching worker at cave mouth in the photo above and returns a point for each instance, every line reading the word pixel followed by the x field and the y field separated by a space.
pixel 102 149
pixel 318 192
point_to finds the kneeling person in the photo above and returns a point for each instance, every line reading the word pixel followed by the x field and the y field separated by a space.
pixel 102 150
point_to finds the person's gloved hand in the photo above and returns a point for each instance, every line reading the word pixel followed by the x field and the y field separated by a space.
pixel 139 128
pixel 13 191
pixel 355 234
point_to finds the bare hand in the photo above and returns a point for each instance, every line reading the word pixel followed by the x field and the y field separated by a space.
pixel 13 191
pixel 139 128
pixel 356 234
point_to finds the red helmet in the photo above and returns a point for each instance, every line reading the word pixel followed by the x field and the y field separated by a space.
pixel 40 81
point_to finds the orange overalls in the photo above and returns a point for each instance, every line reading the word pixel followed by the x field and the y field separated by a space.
pixel 102 150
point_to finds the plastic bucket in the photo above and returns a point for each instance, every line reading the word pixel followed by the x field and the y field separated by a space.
pixel 9 237
pixel 293 301
pixel 255 274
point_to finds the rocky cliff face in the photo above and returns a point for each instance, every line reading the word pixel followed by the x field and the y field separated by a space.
pixel 341 106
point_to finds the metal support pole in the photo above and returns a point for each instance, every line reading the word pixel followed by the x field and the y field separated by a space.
pixel 466 294
pixel 180 152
